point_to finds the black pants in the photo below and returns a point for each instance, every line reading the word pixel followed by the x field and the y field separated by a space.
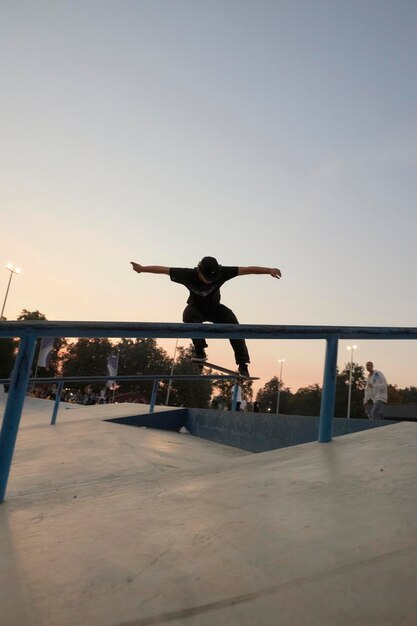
pixel 218 314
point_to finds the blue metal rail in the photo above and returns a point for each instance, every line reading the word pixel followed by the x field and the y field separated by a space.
pixel 59 381
pixel 29 331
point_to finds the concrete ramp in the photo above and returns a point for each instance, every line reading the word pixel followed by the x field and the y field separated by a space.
pixel 105 525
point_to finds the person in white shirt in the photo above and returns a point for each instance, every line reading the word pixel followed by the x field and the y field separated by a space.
pixel 238 396
pixel 376 391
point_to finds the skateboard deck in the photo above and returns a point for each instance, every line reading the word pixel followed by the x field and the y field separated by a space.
pixel 225 370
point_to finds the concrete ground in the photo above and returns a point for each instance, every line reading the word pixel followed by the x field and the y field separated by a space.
pixel 111 525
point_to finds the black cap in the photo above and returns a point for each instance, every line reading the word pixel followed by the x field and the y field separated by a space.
pixel 209 267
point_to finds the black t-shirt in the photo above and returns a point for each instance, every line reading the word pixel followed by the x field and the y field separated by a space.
pixel 201 295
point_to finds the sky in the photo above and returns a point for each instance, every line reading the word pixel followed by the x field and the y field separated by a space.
pixel 275 133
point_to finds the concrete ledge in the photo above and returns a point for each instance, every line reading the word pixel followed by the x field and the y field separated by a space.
pixel 261 432
pixel 254 432
pixel 403 412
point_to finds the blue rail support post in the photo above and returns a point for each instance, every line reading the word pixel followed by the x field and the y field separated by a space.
pixel 57 401
pixel 14 406
pixel 329 391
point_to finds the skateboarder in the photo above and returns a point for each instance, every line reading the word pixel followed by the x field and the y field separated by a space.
pixel 203 304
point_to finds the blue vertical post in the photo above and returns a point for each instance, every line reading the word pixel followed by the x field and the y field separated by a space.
pixel 154 392
pixel 57 401
pixel 14 406
pixel 329 391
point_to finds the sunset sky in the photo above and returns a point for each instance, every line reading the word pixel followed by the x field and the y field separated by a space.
pixel 275 133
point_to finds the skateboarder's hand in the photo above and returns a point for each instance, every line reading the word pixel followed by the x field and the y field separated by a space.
pixel 275 272
pixel 138 268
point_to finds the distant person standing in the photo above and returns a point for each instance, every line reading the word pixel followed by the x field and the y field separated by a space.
pixel 376 393
pixel 102 396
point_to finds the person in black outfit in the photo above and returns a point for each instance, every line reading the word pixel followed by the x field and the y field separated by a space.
pixel 203 304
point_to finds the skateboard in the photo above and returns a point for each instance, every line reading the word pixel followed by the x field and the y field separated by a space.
pixel 225 370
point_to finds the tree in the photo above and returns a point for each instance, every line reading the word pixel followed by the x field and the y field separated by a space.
pixel 7 356
pixel 8 350
pixel 307 401
pixel 342 392
pixel 57 356
pixel 408 395
pixel 86 357
pixel 223 398
pixel 189 393
pixel 58 351
pixel 268 398
pixel 31 315
pixel 394 394
pixel 224 388
pixel 142 356
pixel 9 347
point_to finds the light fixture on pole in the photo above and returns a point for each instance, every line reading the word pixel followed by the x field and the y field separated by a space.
pixel 12 270
pixel 172 370
pixel 281 361
pixel 351 350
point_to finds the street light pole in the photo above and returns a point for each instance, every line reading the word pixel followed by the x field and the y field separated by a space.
pixel 172 370
pixel 281 361
pixel 12 270
pixel 351 350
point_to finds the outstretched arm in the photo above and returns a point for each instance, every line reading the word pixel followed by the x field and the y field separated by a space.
pixel 253 269
pixel 149 269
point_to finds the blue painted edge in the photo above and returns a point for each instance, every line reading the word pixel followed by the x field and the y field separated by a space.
pixel 14 406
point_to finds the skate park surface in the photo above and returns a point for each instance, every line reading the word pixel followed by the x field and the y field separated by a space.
pixel 114 525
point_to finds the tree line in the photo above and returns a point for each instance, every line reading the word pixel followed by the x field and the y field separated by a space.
pixel 306 400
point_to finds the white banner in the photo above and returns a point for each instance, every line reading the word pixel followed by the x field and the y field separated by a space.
pixel 44 357
pixel 112 366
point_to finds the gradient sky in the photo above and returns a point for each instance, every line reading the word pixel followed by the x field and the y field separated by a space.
pixel 263 133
